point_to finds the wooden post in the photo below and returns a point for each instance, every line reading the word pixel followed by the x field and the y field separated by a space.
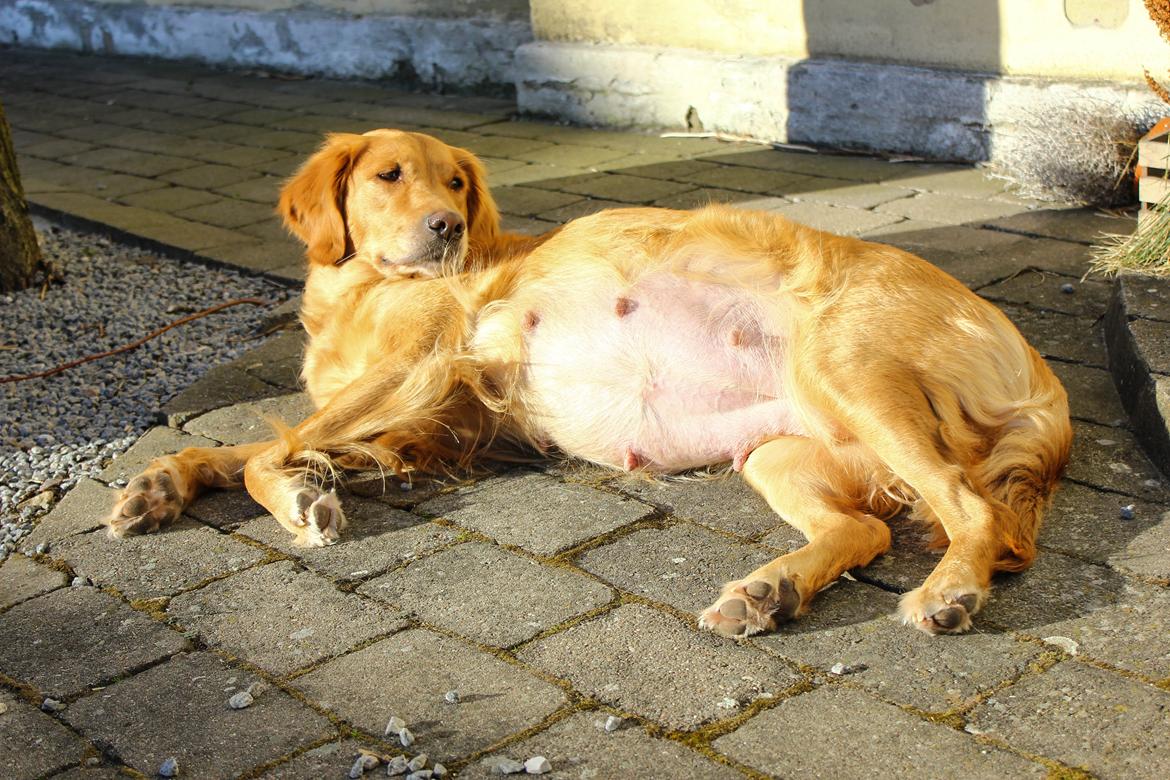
pixel 20 256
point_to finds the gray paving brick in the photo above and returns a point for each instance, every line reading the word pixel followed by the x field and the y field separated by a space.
pixel 1088 524
pixel 705 196
pixel 850 167
pixel 407 675
pixel 222 386
pixel 55 148
pixel 820 734
pixel 261 189
pixel 227 213
pixel 528 201
pixel 1054 335
pixel 539 175
pixel 529 227
pixel 71 639
pixel 1082 225
pixel 487 594
pixel 186 234
pixel 331 760
pixel 613 186
pixel 853 624
pixel 570 155
pixel 757 180
pixel 682 566
pixel 907 563
pixel 1110 458
pixel 180 709
pixel 578 746
pixel 674 169
pixel 155 443
pixel 504 146
pixel 32 744
pixel 961 181
pixel 577 209
pixel 725 503
pixel 1043 291
pixel 203 177
pixel 536 512
pixel 129 161
pixel 1055 589
pixel 842 221
pixel 642 661
pixel 856 196
pixel 245 422
pixel 258 255
pixel 1084 717
pixel 272 229
pixel 151 565
pixel 1091 393
pixel 242 156
pixel 22 578
pixel 80 510
pixel 226 510
pixel 281 618
pixel 168 198
pixel 377 538
pixel 949 209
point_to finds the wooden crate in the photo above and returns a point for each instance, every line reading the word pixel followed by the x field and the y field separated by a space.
pixel 1153 168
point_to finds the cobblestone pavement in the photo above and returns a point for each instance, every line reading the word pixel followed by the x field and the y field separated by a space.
pixel 552 598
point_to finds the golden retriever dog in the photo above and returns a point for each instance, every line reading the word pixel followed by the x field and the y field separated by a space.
pixel 846 380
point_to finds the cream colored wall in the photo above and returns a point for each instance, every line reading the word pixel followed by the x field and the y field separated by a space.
pixel 503 9
pixel 1104 39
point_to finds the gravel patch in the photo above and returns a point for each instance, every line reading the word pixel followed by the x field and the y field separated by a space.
pixel 58 429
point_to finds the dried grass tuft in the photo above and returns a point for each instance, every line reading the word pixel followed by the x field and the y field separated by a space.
pixel 1146 250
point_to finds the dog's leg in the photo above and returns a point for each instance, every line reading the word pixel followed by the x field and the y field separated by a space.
pixel 815 489
pixel 159 494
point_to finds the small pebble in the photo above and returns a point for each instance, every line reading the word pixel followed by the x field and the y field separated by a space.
pixel 241 700
pixel 422 774
pixel 507 766
pixel 1063 642
pixel 93 761
pixel 537 765
pixel 52 705
pixel 1127 512
pixel 394 725
pixel 169 768
pixel 42 548
pixel 79 582
pixel 362 764
pixel 837 669
pixel 1068 288
pixel 406 737
pixel 418 762
pixel 612 724
pixel 397 766
pixel 439 770
pixel 451 697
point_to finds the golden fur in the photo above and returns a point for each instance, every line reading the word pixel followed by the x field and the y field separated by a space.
pixel 885 383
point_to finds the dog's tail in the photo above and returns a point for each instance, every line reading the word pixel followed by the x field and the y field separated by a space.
pixel 1012 425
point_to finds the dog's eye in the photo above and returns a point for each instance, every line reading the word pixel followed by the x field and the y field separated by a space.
pixel 394 174
pixel 457 184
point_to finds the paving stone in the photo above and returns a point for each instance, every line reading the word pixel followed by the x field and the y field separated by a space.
pixel 1087 523
pixel 642 661
pixel 220 388
pixel 674 169
pixel 1056 588
pixel 130 161
pixel 331 760
pixel 724 503
pixel 91 773
pixel 262 189
pixel 245 423
pixel 32 744
pixel 180 709
pixel 155 443
pixel 242 156
pixel 147 566
pixel 572 156
pixel 579 746
pixel 377 538
pixel 528 201
pixel 705 196
pixel 817 734
pixel 55 148
pixel 578 209
pixel 186 234
pixel 529 227
pixel 1054 335
pixel 1153 342
pixel 406 676
pixel 539 175
pixel 961 181
pixel 758 180
pixel 854 624
pixel 856 196
pixel 1081 225
pixel 949 209
pixel 226 510
pixel 1110 458
pixel 227 213
pixel 682 566
pixel 1084 717
pixel 169 199
pixel 1144 296
pixel 205 177
pixel 258 255
pixel 22 578
pixel 82 509
pixel 613 186
pixel 71 639
pixel 842 221
pixel 289 345
pixel 907 563
pixel 1041 290
pixel 273 230
pixel 1130 634
pixel 487 594
pixel 536 512
pixel 1091 393
pixel 281 618
pixel 836 166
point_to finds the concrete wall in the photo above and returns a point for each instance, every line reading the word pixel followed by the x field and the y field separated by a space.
pixel 1095 39
pixel 487 9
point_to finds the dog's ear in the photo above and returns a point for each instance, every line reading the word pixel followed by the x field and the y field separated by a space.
pixel 312 202
pixel 483 217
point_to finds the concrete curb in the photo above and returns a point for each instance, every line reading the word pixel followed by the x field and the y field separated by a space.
pixel 1137 336
pixel 435 52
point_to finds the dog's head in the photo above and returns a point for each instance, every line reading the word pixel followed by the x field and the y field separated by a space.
pixel 407 203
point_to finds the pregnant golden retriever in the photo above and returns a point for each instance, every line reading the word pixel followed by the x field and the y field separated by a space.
pixel 845 379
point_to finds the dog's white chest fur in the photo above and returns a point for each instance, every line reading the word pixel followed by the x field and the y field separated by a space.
pixel 666 374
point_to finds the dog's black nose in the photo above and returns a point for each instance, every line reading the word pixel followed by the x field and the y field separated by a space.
pixel 447 225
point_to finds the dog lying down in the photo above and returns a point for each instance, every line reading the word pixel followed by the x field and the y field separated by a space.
pixel 846 380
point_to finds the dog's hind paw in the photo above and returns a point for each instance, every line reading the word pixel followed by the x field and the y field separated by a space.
pixel 318 518
pixel 150 501
pixel 750 607
pixel 936 614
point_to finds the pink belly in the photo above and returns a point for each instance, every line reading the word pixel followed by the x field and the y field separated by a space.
pixel 667 375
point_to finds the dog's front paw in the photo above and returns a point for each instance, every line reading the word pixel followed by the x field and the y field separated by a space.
pixel 317 518
pixel 749 607
pixel 935 613
pixel 150 500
